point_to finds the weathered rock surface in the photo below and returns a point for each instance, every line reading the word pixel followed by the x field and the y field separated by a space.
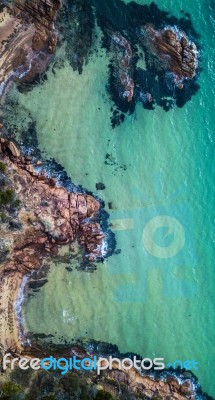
pixel 139 385
pixel 56 216
pixel 123 68
pixel 42 14
pixel 175 52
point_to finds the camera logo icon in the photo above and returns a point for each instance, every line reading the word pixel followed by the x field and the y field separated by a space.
pixel 154 240
pixel 174 228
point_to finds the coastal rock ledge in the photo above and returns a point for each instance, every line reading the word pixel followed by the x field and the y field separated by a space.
pixel 28 38
pixel 41 218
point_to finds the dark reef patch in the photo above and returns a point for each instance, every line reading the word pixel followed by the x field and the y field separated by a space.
pixel 124 38
pixel 17 121
pixel 36 281
pixel 76 26
pixel 27 85
pixel 129 17
pixel 100 186
pixel 110 160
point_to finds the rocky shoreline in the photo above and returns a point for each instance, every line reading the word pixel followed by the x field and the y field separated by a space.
pixel 45 218
pixel 168 46
pixel 28 39
pixel 39 216
pixel 119 383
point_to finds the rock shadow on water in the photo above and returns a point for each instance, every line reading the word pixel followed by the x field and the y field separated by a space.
pixel 175 78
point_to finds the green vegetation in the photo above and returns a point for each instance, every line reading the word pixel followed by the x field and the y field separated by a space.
pixel 10 391
pixel 2 168
pixel 16 203
pixel 51 385
pixel 102 395
pixel 7 197
pixel 3 217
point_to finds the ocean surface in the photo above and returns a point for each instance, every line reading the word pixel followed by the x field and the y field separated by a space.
pixel 156 296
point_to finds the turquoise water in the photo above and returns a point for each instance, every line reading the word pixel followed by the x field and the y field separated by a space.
pixel 146 300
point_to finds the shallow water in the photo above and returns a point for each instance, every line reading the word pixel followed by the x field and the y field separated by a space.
pixel 153 302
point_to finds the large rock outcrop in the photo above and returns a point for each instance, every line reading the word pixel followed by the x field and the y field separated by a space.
pixel 47 217
pixel 173 50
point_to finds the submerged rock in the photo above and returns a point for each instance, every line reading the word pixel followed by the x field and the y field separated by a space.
pixel 100 186
pixel 77 22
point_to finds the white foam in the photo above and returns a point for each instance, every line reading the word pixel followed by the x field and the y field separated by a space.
pixel 18 309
